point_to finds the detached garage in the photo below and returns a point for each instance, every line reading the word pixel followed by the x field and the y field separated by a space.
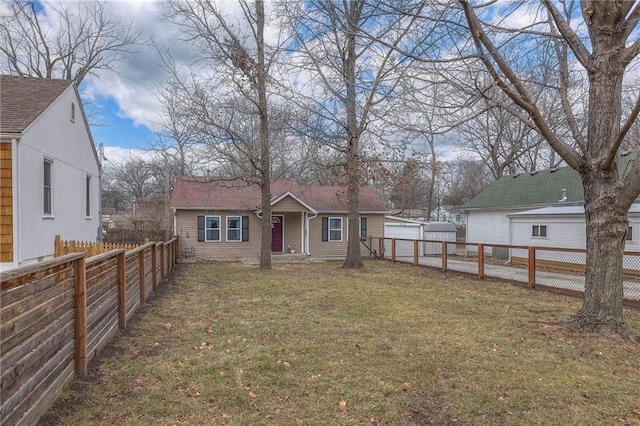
pixel 397 227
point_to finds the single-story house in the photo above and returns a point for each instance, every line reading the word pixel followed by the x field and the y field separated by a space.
pixel 222 219
pixel 399 227
pixel 564 226
pixel 533 209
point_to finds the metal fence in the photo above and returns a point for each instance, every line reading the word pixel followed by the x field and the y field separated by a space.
pixel 560 269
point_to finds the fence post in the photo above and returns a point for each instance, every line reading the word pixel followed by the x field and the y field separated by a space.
pixel 444 256
pixel 480 261
pixel 143 286
pixel 415 252
pixel 56 246
pixel 80 273
pixel 381 248
pixel 154 265
pixel 122 291
pixel 532 267
pixel 162 260
pixel 393 249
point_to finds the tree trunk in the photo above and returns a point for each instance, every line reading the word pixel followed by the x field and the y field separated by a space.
pixel 605 215
pixel 353 259
pixel 606 228
pixel 265 159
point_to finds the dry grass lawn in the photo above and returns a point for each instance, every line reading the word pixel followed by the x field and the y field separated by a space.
pixel 313 344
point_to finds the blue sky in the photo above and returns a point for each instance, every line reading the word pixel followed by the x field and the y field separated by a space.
pixel 115 129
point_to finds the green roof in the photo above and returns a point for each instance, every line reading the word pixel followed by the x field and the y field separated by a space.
pixel 532 188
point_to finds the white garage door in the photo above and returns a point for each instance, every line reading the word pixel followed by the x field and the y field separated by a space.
pixel 397 230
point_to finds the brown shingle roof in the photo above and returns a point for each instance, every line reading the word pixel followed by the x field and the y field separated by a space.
pixel 23 99
pixel 190 193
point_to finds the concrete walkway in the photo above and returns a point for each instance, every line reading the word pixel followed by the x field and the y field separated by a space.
pixel 566 280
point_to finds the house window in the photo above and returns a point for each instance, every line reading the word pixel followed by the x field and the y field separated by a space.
pixel 335 229
pixel 234 228
pixel 539 231
pixel 47 205
pixel 87 191
pixel 630 233
pixel 363 227
pixel 212 228
pixel 73 112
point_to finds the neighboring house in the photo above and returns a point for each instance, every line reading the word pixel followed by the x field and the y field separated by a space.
pixel 564 226
pixel 399 227
pixel 526 209
pixel 50 172
pixel 449 213
pixel 222 219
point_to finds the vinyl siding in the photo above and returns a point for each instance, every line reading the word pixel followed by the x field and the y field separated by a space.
pixel 187 232
pixel 288 204
pixel 375 228
pixel 292 230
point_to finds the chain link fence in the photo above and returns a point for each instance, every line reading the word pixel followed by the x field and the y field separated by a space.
pixel 561 269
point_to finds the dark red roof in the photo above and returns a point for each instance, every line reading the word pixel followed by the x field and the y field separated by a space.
pixel 194 193
pixel 23 99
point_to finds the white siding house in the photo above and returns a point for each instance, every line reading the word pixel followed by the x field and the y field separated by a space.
pixel 52 186
pixel 507 211
pixel 564 226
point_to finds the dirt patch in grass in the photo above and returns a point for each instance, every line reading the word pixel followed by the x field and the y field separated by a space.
pixel 226 343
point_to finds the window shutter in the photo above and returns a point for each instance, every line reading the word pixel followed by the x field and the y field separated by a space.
pixel 200 228
pixel 245 228
pixel 363 227
pixel 325 229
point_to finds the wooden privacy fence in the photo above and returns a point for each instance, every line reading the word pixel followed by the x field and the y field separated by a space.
pixel 58 314
pixel 62 247
pixel 560 269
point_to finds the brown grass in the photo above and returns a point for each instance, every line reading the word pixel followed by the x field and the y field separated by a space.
pixel 224 343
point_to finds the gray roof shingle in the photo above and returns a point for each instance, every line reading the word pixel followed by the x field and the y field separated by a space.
pixel 23 99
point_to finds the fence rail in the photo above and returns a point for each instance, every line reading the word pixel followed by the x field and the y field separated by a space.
pixel 560 269
pixel 58 314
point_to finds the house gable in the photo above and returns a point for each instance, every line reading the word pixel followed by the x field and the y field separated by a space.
pixel 290 203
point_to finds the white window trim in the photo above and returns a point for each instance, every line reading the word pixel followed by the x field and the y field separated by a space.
pixel 539 227
pixel 329 229
pixel 228 229
pixel 49 214
pixel 219 228
pixel 629 237
pixel 87 188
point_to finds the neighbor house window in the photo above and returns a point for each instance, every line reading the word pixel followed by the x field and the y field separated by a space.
pixel 539 231
pixel 212 228
pixel 73 112
pixel 234 228
pixel 46 208
pixel 335 229
pixel 363 227
pixel 87 191
pixel 630 233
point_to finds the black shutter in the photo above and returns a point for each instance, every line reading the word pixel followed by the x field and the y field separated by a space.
pixel 325 229
pixel 200 228
pixel 363 227
pixel 245 228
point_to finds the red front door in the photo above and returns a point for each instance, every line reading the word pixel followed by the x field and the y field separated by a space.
pixel 276 234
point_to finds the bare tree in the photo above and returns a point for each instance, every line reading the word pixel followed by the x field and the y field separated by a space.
pixel 235 49
pixel 607 47
pixel 61 40
pixel 348 52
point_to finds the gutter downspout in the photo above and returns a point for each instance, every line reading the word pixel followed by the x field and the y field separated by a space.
pixel 308 248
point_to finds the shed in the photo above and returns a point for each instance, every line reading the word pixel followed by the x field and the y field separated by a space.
pixel 413 229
